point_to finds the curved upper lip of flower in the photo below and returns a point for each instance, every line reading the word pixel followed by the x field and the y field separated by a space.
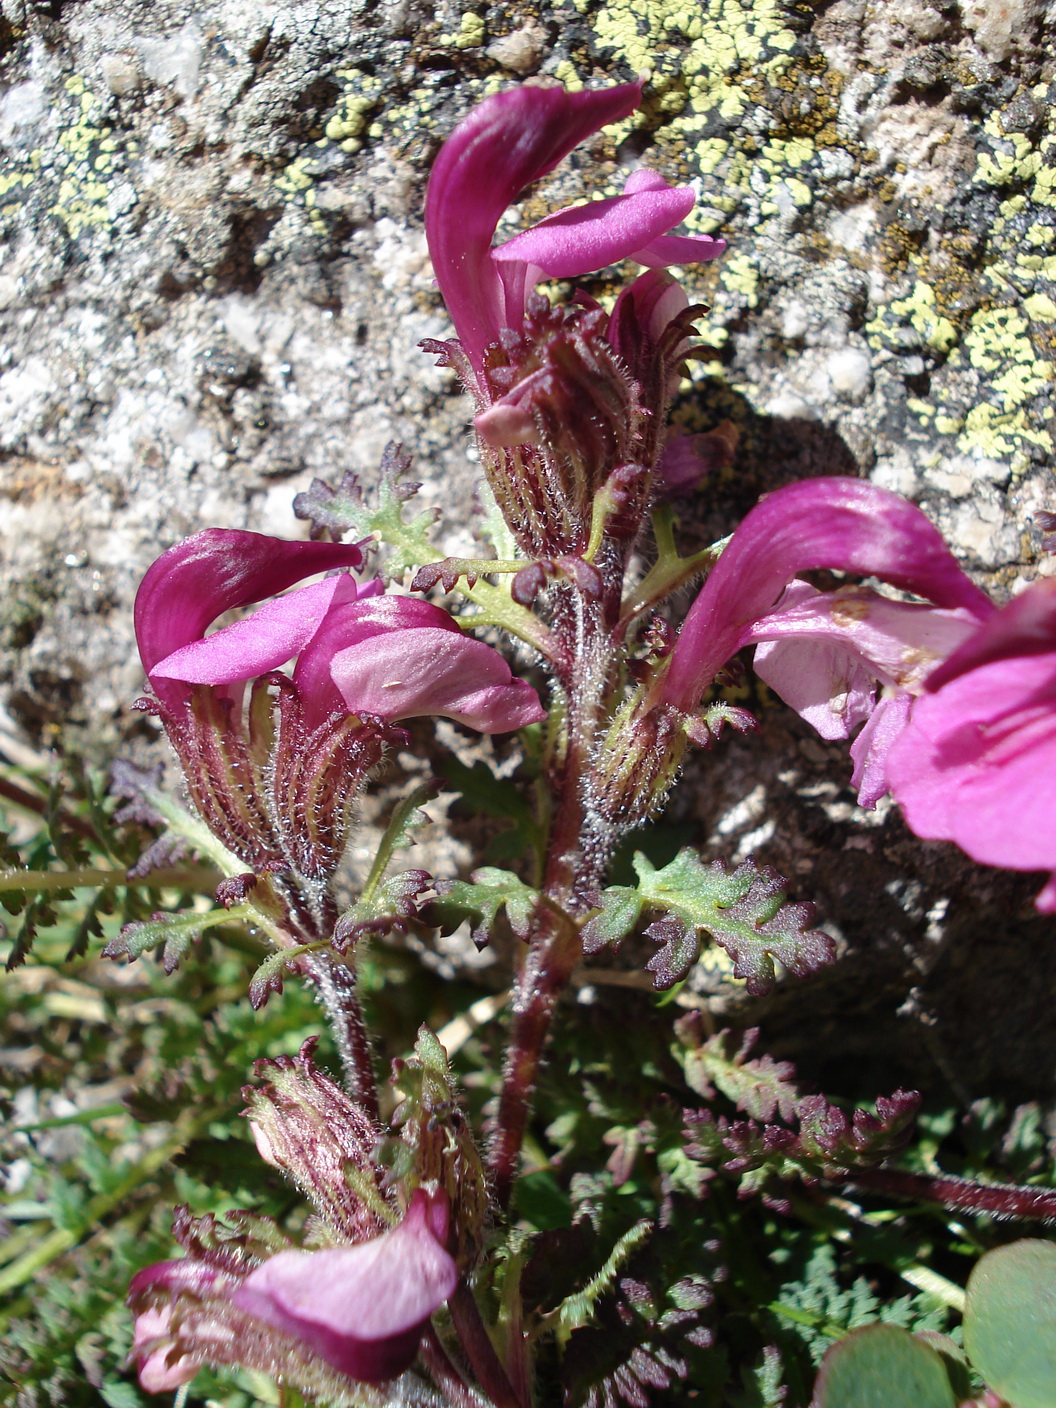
pixel 210 573
pixel 834 523
pixel 505 144
pixel 358 651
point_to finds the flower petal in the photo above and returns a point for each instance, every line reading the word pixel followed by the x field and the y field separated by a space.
pixel 346 625
pixel 506 143
pixel 423 670
pixel 361 1308
pixel 826 683
pixel 1026 626
pixel 834 523
pixel 583 238
pixel 160 1369
pixel 215 571
pixel 971 765
pixel 274 633
pixel 899 642
pixel 666 250
pixel 870 749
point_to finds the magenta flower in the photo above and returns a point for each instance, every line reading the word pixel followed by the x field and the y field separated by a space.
pixel 506 143
pixel 976 760
pixel 826 653
pixel 362 1308
pixel 359 1310
pixel 358 652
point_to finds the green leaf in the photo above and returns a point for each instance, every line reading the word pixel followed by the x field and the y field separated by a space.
pixel 346 510
pixel 1010 1322
pixel 388 907
pixel 744 910
pixel 406 817
pixel 577 1309
pixel 176 931
pixel 621 908
pixel 116 1393
pixel 479 900
pixel 760 1086
pixel 880 1366
pixel 270 975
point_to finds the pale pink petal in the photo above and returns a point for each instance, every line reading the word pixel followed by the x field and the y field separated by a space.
pixel 1045 900
pixel 347 624
pixel 826 683
pixel 870 749
pixel 506 423
pixel 899 642
pixel 361 1308
pixel 427 671
pixel 160 1371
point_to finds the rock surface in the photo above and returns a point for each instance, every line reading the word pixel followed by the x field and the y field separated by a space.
pixel 215 276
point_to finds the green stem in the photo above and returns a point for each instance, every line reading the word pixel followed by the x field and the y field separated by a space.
pixel 807 1318
pixel 201 878
pixel 98 1112
pixel 394 835
pixel 497 608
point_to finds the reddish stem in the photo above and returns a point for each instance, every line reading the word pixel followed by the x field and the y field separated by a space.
pixel 554 947
pixel 961 1194
pixel 336 986
pixel 479 1350
pixel 446 1376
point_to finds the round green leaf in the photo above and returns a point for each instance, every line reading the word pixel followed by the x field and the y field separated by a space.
pixel 880 1366
pixel 1010 1322
pixel 953 1357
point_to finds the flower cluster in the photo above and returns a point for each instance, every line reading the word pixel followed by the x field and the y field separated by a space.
pixel 278 717
pixel 276 781
pixel 571 403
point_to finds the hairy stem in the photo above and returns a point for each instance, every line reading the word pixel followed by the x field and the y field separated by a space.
pixel 961 1194
pixel 479 1350
pixel 336 987
pixel 201 878
pixel 554 945
pixel 446 1376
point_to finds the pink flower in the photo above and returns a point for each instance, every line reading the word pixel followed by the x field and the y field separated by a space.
pixel 362 1308
pixel 506 143
pixel 358 1309
pixel 826 653
pixel 357 651
pixel 976 761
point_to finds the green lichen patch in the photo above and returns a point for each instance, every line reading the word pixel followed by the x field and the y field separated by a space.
pixel 75 178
